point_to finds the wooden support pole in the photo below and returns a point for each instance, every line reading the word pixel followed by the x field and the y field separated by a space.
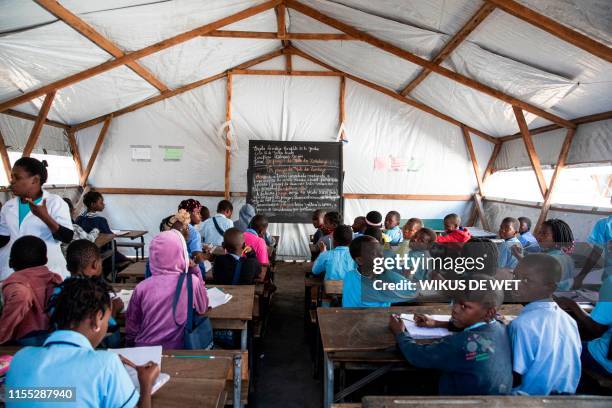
pixel 27 116
pixel 96 150
pixel 415 59
pixel 560 165
pixel 228 143
pixel 133 56
pixel 74 150
pixel 531 151
pixel 342 110
pixel 558 30
pixel 6 162
pixel 486 174
pixel 38 124
pixel 452 44
pixel 272 35
pixel 472 153
pixel 281 72
pixel 480 211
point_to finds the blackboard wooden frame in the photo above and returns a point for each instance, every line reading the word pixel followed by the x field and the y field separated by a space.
pixel 305 216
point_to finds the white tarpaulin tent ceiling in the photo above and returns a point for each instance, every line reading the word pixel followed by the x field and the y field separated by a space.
pixel 487 56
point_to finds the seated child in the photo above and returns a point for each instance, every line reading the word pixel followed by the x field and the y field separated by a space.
pixel 225 269
pixel 150 320
pixel 596 354
pixel 545 341
pixel 92 219
pixel 454 232
pixel 317 222
pixel 26 293
pixel 68 357
pixel 179 222
pixel 331 220
pixel 556 239
pixel 359 226
pixel 79 233
pixel 334 263
pixel 483 250
pixel 475 360
pixel 374 222
pixel 361 286
pixel 83 261
pixel 508 229
pixel 213 228
pixel 392 229
pixel 420 244
pixel 253 238
pixel 528 241
pixel 408 230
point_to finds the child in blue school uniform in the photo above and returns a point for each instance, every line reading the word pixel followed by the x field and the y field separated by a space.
pixel 392 229
pixel 336 262
pixel 546 344
pixel 68 357
pixel 508 230
pixel 528 240
pixel 363 286
pixel 474 361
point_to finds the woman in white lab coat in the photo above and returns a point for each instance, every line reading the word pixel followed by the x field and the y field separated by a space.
pixel 36 212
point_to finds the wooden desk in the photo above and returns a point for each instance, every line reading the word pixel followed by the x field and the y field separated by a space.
pixel 362 337
pixel 559 401
pixel 103 240
pixel 235 314
pixel 132 235
pixel 134 272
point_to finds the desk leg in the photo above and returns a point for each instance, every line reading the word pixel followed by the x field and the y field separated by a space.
pixel 244 336
pixel 328 381
pixel 142 249
pixel 113 266
pixel 237 380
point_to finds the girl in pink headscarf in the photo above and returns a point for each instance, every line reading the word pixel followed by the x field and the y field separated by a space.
pixel 149 317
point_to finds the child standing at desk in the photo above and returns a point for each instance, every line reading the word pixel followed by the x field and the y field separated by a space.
pixel 26 292
pixel 68 357
pixel 545 341
pixel 474 361
pixel 454 232
pixel 336 262
pixel 392 229
pixel 508 229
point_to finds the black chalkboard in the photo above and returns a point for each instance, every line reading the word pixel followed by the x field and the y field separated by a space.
pixel 287 181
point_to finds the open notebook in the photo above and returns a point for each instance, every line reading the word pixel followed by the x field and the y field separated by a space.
pixel 216 297
pixel 417 332
pixel 140 356
pixel 125 295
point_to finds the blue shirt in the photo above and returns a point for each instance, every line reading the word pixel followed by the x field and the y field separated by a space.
pixel 602 314
pixel 567 268
pixel 506 259
pixel 360 291
pixel 209 232
pixel 546 349
pixel 24 208
pixel 395 235
pixel 67 359
pixel 335 263
pixel 194 240
pixel 90 221
pixel 475 361
pixel 529 242
pixel 601 236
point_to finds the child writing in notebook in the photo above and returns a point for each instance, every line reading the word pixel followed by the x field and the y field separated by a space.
pixel 392 229
pixel 336 262
pixel 474 361
pixel 225 269
pixel 508 230
pixel 68 357
pixel 454 232
pixel 26 292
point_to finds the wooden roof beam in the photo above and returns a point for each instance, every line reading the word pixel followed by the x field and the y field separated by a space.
pixel 273 35
pixel 175 92
pixel 27 116
pixel 438 69
pixel 531 151
pixel 552 27
pixel 393 94
pixel 40 121
pixel 452 44
pixel 133 56
pixel 53 7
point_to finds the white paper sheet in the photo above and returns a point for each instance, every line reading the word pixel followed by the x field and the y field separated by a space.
pixel 141 356
pixel 119 232
pixel 417 332
pixel 217 297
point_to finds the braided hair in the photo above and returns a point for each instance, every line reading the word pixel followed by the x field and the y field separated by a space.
pixel 79 299
pixel 562 234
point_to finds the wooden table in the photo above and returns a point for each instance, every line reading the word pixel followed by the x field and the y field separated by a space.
pixel 134 272
pixel 132 235
pixel 361 337
pixel 488 401
pixel 101 241
pixel 235 314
